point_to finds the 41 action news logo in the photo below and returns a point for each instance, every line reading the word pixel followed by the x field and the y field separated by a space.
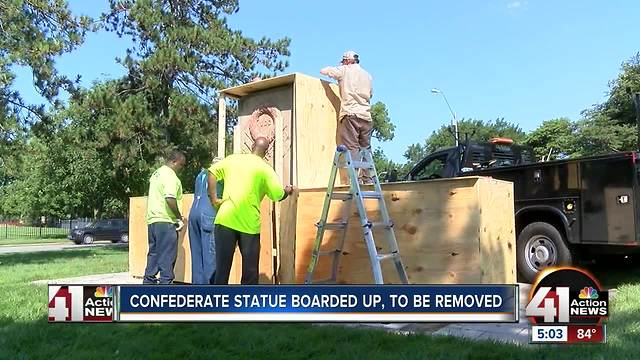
pixel 80 303
pixel 567 295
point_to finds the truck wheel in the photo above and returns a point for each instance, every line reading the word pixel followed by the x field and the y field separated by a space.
pixel 540 245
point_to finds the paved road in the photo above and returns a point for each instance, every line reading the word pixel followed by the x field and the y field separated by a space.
pixel 50 247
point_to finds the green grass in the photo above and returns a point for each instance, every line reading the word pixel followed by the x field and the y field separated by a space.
pixel 29 240
pixel 25 333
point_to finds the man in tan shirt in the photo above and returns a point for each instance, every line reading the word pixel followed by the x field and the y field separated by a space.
pixel 355 124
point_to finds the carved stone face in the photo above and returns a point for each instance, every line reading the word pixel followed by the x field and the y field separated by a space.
pixel 262 124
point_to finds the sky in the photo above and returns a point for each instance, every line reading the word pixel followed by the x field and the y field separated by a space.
pixel 526 61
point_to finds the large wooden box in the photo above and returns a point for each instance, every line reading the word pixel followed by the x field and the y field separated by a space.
pixel 451 231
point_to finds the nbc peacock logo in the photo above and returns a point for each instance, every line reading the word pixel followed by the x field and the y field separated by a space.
pixel 103 291
pixel 588 293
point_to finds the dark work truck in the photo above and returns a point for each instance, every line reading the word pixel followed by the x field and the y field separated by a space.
pixel 563 208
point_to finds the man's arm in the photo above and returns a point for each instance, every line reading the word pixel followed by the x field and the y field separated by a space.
pixel 212 181
pixel 274 190
pixel 171 186
pixel 333 72
pixel 215 172
pixel 173 205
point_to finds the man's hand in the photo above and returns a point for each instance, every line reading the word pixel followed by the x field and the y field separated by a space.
pixel 180 224
pixel 289 189
pixel 217 202
pixel 325 70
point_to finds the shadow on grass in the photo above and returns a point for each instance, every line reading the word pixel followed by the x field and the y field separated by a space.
pixel 614 271
pixel 46 257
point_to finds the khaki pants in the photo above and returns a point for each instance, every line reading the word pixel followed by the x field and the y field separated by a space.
pixel 355 134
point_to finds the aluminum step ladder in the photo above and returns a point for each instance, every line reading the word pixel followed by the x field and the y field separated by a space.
pixel 355 193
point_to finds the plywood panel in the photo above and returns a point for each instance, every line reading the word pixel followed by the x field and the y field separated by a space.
pixel 266 243
pixel 250 88
pixel 287 240
pixel 138 243
pixel 222 124
pixel 437 224
pixel 317 105
pixel 497 231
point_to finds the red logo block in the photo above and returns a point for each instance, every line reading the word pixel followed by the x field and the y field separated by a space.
pixel 80 303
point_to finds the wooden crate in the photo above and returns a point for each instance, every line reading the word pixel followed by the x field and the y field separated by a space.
pixel 451 231
pixel 306 140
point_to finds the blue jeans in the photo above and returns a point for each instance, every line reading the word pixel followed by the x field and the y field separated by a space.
pixel 202 244
pixel 163 249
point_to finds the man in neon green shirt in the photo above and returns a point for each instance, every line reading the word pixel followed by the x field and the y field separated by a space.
pixel 163 215
pixel 247 179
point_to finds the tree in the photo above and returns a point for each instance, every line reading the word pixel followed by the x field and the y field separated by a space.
pixel 383 128
pixel 476 130
pixel 619 108
pixel 415 153
pixel 188 45
pixel 34 33
pixel 117 132
pixel 185 47
pixel 611 125
pixel 555 136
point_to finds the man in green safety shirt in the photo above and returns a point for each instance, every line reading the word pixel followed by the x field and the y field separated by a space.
pixel 247 179
pixel 163 220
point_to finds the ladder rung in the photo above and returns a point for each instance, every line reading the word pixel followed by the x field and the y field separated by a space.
pixel 381 225
pixel 371 195
pixel 341 196
pixel 329 252
pixel 388 256
pixel 333 226
pixel 361 165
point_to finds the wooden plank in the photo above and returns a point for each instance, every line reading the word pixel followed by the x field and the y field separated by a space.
pixel 294 139
pixel 497 232
pixel 253 87
pixel 267 272
pixel 317 105
pixel 222 125
pixel 237 140
pixel 279 154
pixel 287 240
pixel 437 224
pixel 138 242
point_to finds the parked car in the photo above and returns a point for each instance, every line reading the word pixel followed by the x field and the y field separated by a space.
pixel 115 230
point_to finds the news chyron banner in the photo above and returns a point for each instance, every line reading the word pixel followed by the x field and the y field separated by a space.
pixel 289 303
pixel 567 305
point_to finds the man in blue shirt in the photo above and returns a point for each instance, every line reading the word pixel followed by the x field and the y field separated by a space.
pixel 201 239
